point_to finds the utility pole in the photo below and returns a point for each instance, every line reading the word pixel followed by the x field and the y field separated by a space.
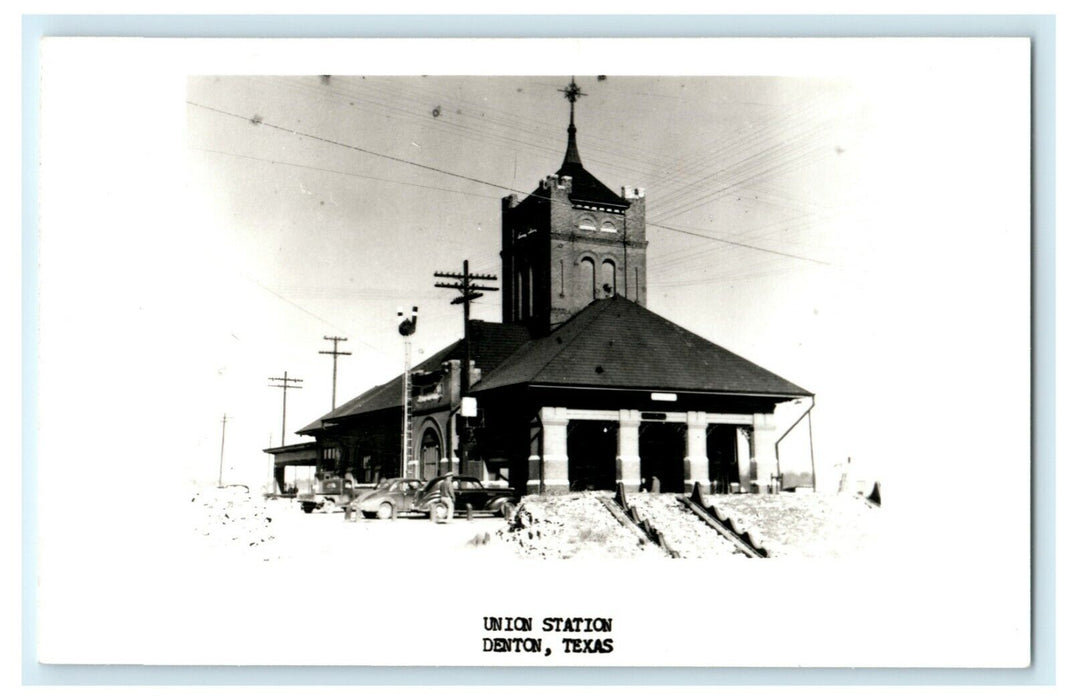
pixel 288 382
pixel 271 468
pixel 464 282
pixel 222 442
pixel 335 352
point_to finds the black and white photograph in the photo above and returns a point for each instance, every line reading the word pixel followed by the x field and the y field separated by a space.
pixel 535 352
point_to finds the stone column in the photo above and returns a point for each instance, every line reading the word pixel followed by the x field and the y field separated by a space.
pixel 554 449
pixel 534 457
pixel 744 450
pixel 763 451
pixel 696 461
pixel 628 450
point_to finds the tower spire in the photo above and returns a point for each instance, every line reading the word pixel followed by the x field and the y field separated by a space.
pixel 572 93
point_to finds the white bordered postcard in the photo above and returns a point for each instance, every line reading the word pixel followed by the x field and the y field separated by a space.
pixel 547 353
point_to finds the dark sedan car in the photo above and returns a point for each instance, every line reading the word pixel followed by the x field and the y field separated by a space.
pixel 467 491
pixel 332 493
pixel 390 497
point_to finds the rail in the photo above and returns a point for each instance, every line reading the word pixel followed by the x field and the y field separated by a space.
pixel 724 525
pixel 644 525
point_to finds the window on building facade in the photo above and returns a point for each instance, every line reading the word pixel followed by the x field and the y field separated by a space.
pixel 609 277
pixel 588 276
pixel 531 293
pixel 518 287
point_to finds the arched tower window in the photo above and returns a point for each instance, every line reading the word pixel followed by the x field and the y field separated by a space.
pixel 531 293
pixel 524 292
pixel 609 278
pixel 518 287
pixel 588 277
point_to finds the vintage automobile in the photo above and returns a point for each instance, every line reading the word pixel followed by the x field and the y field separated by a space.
pixel 331 493
pixel 468 492
pixel 390 497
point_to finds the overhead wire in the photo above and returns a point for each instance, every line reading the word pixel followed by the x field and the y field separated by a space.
pixel 692 206
pixel 396 97
pixel 297 132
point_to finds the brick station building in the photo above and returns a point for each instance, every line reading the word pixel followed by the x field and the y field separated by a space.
pixel 580 386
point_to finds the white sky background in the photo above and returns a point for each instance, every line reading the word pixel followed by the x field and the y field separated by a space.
pixel 174 254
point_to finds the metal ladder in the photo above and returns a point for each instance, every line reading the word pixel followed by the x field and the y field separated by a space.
pixel 406 424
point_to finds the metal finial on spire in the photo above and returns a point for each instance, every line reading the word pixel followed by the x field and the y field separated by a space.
pixel 572 93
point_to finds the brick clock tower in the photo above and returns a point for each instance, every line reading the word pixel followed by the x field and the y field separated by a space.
pixel 571 241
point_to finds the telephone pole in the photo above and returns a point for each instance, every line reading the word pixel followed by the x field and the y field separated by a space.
pixel 288 382
pixel 470 291
pixel 335 353
pixel 222 442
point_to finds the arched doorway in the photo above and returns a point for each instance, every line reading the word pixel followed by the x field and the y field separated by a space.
pixel 430 453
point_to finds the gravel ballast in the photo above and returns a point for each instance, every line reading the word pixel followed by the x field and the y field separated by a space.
pixel 683 530
pixel 573 526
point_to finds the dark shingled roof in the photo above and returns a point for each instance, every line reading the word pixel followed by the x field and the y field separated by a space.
pixel 616 343
pixel 491 343
pixel 586 189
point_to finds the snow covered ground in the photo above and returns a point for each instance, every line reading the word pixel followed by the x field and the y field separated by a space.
pixel 806 524
pixel 233 526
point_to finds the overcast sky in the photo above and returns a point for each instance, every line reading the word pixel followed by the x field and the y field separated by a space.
pixel 854 234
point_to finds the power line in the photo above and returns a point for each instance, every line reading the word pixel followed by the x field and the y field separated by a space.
pixel 274 161
pixel 724 144
pixel 316 316
pixel 295 132
pixel 736 243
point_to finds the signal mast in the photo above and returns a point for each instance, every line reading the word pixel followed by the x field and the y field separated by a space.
pixel 406 328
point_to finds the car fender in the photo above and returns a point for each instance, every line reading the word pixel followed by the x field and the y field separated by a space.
pixel 497 502
pixel 425 502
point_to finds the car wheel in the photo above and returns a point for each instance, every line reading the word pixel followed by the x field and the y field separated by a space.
pixel 384 511
pixel 440 511
pixel 308 507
